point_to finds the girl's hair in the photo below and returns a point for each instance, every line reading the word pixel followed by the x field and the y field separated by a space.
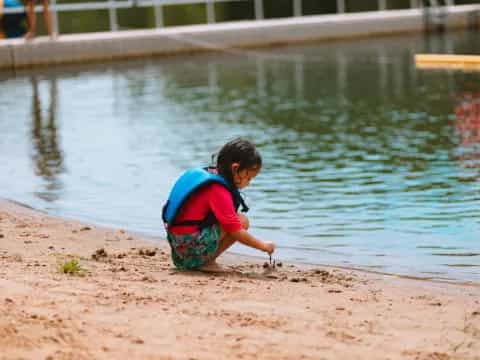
pixel 239 151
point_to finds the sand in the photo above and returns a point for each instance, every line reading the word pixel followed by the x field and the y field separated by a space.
pixel 130 303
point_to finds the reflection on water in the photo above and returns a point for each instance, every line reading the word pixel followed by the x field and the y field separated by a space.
pixel 368 161
pixel 46 155
pixel 468 118
pixel 467 127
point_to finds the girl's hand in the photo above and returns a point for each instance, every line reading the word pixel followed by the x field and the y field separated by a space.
pixel 268 247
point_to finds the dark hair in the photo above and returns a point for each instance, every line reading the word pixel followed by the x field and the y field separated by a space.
pixel 239 151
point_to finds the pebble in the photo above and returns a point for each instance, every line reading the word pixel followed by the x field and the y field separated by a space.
pixel 148 252
pixel 99 253
pixel 334 291
pixel 321 272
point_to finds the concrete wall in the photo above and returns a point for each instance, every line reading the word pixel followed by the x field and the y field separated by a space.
pixel 6 56
pixel 127 44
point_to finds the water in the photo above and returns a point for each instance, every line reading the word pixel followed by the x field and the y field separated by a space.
pixel 369 162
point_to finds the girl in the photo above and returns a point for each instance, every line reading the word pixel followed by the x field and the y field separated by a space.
pixel 201 213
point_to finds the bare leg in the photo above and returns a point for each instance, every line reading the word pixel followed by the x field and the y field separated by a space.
pixel 32 21
pixel 226 241
pixel 47 18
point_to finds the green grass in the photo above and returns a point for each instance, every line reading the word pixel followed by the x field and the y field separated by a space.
pixel 72 267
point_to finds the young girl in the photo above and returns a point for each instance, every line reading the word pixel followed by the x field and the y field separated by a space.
pixel 201 214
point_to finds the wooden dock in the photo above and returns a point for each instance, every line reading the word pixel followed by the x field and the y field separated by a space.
pixel 448 61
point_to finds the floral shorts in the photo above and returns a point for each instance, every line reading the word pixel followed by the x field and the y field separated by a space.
pixel 190 251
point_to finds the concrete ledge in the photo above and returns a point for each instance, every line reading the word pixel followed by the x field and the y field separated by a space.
pixel 6 56
pixel 80 48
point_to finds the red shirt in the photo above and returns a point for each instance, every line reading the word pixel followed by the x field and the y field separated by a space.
pixel 215 198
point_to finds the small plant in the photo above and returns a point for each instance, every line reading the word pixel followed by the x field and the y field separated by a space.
pixel 72 267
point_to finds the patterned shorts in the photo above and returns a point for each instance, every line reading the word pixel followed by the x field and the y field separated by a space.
pixel 191 251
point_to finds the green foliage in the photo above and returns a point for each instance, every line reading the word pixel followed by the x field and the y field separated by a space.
pixel 72 267
pixel 175 15
pixel 136 18
pixel 83 21
pixel 234 11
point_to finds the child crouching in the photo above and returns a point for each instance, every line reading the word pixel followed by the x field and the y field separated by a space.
pixel 201 216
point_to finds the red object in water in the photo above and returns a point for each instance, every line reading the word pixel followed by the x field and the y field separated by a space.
pixel 468 118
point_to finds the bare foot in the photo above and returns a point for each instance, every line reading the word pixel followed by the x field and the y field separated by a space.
pixel 29 35
pixel 212 267
pixel 53 36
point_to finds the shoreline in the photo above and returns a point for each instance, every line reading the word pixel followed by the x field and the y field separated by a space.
pixel 129 302
pixel 232 257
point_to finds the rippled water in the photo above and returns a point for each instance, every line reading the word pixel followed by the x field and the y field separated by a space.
pixel 368 161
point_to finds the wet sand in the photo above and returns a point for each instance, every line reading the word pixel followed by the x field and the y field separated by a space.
pixel 129 302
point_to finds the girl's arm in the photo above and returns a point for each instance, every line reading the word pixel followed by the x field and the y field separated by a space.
pixel 247 239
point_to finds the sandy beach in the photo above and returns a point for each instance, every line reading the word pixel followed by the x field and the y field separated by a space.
pixel 128 302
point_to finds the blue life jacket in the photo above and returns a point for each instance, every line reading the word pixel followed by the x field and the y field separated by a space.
pixel 11 3
pixel 190 182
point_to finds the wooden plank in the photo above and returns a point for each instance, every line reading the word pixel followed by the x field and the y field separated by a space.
pixel 447 61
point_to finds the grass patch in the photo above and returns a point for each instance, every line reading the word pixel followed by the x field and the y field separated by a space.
pixel 72 267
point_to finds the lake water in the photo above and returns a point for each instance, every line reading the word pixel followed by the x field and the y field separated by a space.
pixel 369 162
